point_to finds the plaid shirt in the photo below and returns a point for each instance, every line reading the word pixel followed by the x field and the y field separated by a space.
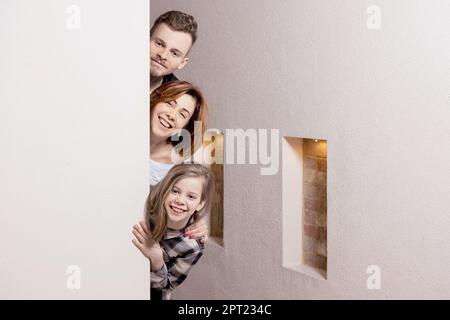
pixel 180 254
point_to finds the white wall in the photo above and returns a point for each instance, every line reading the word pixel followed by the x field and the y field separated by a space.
pixel 74 148
pixel 380 98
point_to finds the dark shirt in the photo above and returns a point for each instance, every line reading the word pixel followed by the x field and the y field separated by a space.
pixel 169 77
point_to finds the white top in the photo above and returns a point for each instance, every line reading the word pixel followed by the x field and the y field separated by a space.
pixel 158 171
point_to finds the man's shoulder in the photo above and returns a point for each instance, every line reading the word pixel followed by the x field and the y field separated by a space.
pixel 169 77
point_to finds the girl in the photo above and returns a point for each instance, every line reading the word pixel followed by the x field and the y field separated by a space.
pixel 185 192
pixel 175 106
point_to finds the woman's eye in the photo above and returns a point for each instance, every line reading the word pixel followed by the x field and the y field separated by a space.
pixel 192 197
pixel 183 115
pixel 174 191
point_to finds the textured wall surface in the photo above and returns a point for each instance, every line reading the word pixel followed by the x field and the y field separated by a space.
pixel 379 97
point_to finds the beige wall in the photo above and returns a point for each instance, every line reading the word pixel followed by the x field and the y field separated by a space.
pixel 379 97
pixel 73 141
pixel 73 174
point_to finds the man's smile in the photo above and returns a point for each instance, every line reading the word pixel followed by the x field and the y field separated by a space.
pixel 159 63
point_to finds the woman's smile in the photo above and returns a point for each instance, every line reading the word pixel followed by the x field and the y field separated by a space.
pixel 166 124
pixel 172 115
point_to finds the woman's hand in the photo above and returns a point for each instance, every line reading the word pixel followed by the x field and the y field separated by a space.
pixel 145 243
pixel 199 229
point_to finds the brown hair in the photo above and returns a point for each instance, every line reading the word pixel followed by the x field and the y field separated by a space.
pixel 175 89
pixel 178 21
pixel 155 212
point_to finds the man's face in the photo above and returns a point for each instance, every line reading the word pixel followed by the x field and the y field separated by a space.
pixel 168 50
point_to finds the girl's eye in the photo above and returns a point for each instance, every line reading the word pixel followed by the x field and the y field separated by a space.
pixel 183 115
pixel 175 191
pixel 192 197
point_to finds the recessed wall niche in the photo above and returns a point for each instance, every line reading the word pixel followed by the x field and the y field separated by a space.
pixel 216 215
pixel 305 205
pixel 216 223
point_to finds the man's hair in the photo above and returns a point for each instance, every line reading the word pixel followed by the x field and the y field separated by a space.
pixel 178 21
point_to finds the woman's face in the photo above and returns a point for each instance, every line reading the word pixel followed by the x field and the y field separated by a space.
pixel 168 118
pixel 183 200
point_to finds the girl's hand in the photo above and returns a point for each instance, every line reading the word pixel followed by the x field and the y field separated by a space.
pixel 199 229
pixel 145 243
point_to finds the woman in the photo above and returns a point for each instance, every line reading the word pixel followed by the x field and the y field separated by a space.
pixel 175 106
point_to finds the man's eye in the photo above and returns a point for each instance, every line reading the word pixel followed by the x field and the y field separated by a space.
pixel 175 54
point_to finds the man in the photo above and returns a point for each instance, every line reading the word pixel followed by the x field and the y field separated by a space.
pixel 171 38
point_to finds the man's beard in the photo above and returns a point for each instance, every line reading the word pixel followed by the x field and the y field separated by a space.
pixel 156 74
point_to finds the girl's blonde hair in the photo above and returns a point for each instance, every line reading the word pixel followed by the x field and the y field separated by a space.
pixel 155 212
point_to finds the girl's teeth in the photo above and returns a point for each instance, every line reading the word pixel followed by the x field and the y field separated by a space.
pixel 177 210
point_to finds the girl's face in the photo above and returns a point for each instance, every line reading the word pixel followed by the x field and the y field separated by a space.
pixel 183 201
pixel 168 118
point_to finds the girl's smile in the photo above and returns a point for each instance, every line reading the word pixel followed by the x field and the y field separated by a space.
pixel 176 209
pixel 183 200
